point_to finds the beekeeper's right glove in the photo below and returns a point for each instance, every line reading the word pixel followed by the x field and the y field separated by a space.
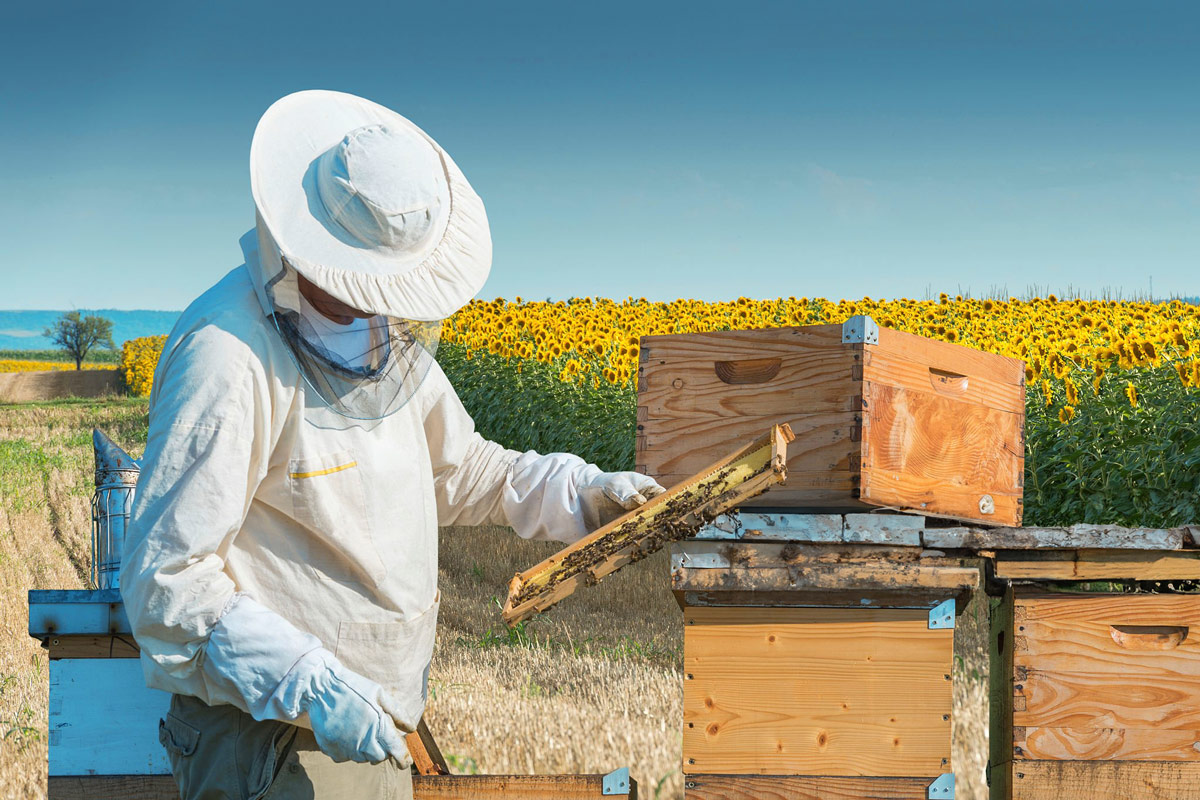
pixel 257 660
pixel 607 495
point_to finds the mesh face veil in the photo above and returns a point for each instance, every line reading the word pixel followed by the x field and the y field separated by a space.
pixel 367 369
pixel 361 203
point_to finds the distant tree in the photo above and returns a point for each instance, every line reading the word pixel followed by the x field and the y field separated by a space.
pixel 78 334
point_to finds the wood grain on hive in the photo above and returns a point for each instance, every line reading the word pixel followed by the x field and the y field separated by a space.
pixel 818 652
pixel 1096 693
pixel 811 691
pixel 792 787
pixel 1107 677
pixel 906 423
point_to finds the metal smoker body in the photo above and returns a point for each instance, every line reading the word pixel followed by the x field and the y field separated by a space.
pixel 116 478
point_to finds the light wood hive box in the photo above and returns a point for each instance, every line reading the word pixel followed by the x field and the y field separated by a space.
pixel 840 698
pixel 816 670
pixel 883 419
pixel 1096 696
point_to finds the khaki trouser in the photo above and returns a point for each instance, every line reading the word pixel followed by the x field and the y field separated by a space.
pixel 222 753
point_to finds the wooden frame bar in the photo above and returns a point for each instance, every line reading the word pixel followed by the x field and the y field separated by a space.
pixel 513 787
pixel 425 787
pixel 425 753
pixel 1098 565
pixel 92 646
pixel 1104 780
pixel 796 574
pixel 678 513
pixel 1074 537
pixel 105 787
pixel 803 787
pixel 909 530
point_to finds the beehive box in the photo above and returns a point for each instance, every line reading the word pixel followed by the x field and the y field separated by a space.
pixel 816 691
pixel 817 660
pixel 882 418
pixel 1095 695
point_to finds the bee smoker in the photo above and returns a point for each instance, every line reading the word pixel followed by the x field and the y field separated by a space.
pixel 116 477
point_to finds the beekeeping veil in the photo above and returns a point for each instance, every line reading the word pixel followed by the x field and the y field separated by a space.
pixel 362 203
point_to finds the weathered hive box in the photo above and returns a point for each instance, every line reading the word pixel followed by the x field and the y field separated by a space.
pixel 1099 696
pixel 882 418
pixel 103 719
pixel 1093 695
pixel 818 654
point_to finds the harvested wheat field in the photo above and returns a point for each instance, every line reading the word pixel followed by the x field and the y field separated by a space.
pixel 594 685
pixel 26 387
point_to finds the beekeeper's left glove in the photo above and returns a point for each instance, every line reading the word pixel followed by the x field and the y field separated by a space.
pixel 258 661
pixel 351 716
pixel 608 495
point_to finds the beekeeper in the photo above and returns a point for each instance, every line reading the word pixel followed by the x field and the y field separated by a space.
pixel 304 446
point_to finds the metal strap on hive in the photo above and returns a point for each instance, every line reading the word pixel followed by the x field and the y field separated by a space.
pixel 616 782
pixel 860 329
pixel 942 788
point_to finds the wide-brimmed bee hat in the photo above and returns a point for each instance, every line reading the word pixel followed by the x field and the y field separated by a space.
pixel 367 206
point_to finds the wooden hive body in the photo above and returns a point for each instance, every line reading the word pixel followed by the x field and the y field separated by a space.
pixel 818 652
pixel 892 420
pixel 1096 695
pixel 816 691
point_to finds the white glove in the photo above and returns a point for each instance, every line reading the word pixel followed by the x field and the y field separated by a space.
pixel 257 660
pixel 351 715
pixel 608 495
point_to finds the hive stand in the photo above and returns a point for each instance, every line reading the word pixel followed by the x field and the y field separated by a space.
pixel 104 720
pixel 818 651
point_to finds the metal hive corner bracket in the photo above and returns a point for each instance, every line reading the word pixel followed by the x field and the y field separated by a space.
pixel 860 329
pixel 941 616
pixel 942 788
pixel 615 782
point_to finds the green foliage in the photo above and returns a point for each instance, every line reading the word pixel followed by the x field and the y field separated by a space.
pixel 94 356
pixel 1111 463
pixel 661 785
pixel 523 635
pixel 523 405
pixel 24 470
pixel 77 334
pixel 462 765
pixel 23 729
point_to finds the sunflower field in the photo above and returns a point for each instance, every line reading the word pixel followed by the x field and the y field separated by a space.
pixel 23 365
pixel 1113 387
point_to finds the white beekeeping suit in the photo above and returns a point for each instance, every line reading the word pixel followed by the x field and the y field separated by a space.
pixel 282 552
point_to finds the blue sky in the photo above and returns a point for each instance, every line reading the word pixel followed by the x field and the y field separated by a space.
pixel 662 150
